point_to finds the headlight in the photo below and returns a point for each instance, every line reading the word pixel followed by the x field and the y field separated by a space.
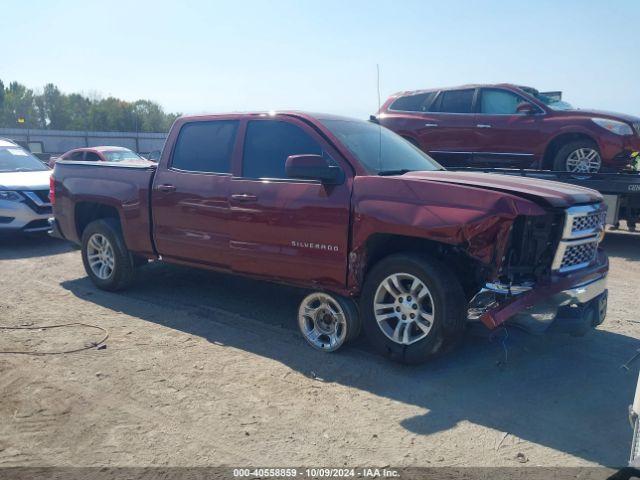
pixel 10 196
pixel 619 128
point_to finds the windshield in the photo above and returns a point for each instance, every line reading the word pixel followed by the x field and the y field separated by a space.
pixel 121 155
pixel 16 159
pixel 378 149
pixel 553 102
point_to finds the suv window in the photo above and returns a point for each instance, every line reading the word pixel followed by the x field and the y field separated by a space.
pixel 75 155
pixel 267 145
pixel 92 157
pixel 499 102
pixel 205 146
pixel 454 101
pixel 413 103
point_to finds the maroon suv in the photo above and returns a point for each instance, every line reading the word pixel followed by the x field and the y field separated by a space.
pixel 511 126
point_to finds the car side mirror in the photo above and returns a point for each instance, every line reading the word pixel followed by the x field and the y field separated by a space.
pixel 525 108
pixel 312 167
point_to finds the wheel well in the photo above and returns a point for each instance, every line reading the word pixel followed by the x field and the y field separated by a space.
pixel 557 143
pixel 87 212
pixel 468 270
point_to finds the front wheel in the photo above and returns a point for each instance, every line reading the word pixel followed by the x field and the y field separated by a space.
pixel 412 307
pixel 581 156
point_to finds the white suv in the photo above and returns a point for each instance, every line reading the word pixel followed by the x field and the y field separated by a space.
pixel 24 191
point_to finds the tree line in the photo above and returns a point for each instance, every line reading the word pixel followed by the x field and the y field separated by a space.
pixel 22 107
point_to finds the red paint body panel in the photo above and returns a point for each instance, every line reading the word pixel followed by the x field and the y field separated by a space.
pixel 301 232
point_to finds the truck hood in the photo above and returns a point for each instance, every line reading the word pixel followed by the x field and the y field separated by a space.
pixel 25 180
pixel 555 194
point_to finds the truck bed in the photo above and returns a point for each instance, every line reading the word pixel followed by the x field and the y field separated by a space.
pixel 123 187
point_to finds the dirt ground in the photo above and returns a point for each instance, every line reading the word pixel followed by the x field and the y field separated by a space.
pixel 204 369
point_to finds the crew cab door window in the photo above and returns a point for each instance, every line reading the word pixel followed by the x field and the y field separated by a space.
pixel 267 145
pixel 205 146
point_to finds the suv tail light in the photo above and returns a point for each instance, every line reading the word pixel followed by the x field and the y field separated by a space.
pixel 52 190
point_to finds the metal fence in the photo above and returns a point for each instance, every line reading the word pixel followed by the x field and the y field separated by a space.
pixel 55 142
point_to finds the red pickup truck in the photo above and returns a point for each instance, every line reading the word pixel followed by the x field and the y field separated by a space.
pixel 379 233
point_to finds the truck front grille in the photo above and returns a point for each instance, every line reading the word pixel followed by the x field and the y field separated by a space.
pixel 580 237
pixel 587 224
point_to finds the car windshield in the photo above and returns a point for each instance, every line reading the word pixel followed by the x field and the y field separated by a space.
pixel 16 159
pixel 121 155
pixel 378 149
pixel 551 101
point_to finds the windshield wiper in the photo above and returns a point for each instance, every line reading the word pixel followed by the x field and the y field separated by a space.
pixel 402 171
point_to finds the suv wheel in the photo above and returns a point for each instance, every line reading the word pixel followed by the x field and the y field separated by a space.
pixel 105 256
pixel 412 307
pixel 581 156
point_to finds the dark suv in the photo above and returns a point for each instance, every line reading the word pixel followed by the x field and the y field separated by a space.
pixel 512 126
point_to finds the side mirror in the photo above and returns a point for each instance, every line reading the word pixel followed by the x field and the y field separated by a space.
pixel 525 108
pixel 312 167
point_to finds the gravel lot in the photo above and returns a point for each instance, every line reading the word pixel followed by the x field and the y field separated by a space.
pixel 208 369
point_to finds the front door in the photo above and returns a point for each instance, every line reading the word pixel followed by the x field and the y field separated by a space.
pixel 506 138
pixel 290 229
pixel 190 194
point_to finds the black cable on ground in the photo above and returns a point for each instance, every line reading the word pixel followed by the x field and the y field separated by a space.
pixel 62 352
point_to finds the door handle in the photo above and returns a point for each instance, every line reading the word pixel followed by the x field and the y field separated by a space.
pixel 483 125
pixel 165 187
pixel 244 197
pixel 431 125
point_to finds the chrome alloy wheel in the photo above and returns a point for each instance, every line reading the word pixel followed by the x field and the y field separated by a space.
pixel 584 160
pixel 404 308
pixel 100 256
pixel 322 322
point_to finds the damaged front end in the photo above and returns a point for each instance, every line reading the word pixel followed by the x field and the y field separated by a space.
pixel 552 276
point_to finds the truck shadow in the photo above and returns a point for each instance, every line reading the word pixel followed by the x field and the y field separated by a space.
pixel 565 393
pixel 13 247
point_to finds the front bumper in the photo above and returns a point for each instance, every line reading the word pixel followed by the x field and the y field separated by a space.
pixel 573 311
pixel 572 303
pixel 16 217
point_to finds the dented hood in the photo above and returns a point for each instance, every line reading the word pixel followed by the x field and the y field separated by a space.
pixel 555 194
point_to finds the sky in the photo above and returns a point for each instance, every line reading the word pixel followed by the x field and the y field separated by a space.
pixel 219 56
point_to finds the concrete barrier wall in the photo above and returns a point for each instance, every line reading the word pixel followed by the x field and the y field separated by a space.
pixel 55 142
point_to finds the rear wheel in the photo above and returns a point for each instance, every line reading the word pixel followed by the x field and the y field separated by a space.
pixel 412 307
pixel 581 156
pixel 105 256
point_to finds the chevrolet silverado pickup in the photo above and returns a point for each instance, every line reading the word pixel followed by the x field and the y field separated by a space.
pixel 380 234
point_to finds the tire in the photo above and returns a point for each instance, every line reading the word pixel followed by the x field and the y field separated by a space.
pixel 328 322
pixel 122 271
pixel 444 293
pixel 562 156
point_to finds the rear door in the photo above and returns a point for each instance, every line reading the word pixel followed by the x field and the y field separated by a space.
pixel 506 138
pixel 291 229
pixel 449 133
pixel 190 192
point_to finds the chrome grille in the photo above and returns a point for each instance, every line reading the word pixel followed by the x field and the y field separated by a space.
pixel 580 237
pixel 576 256
pixel 587 223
